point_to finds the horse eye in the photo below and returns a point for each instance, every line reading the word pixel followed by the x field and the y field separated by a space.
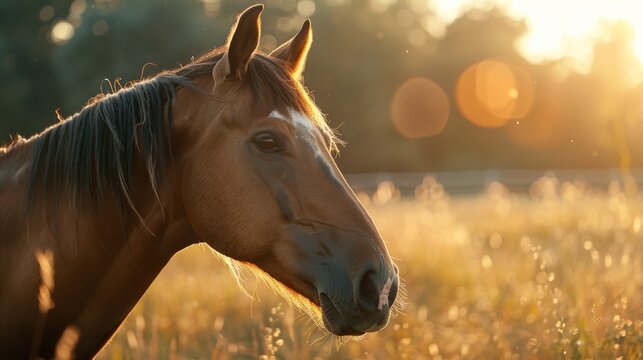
pixel 266 142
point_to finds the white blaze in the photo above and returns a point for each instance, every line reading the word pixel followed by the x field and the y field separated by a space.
pixel 305 125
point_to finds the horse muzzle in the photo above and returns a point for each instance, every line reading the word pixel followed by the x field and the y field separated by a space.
pixel 347 274
pixel 365 307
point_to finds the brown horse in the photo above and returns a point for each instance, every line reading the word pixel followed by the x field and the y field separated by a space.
pixel 228 150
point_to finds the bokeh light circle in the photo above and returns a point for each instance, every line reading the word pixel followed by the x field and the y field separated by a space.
pixel 420 108
pixel 491 92
pixel 62 32
pixel 544 124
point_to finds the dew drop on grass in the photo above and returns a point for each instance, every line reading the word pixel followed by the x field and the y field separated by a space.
pixel 423 312
pixel 495 241
pixel 464 349
pixel 453 313
pixel 486 262
pixel 434 350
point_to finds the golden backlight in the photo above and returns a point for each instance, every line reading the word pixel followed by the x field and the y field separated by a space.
pixel 558 29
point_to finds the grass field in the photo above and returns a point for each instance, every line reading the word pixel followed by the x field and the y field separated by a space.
pixel 556 273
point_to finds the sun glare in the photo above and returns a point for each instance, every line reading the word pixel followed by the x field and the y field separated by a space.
pixel 557 28
pixel 638 45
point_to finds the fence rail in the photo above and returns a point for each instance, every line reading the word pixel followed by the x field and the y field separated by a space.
pixel 470 182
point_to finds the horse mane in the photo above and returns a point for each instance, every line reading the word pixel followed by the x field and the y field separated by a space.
pixel 13 143
pixel 91 154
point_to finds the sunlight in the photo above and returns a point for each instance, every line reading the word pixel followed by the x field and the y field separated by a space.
pixel 638 44
pixel 558 28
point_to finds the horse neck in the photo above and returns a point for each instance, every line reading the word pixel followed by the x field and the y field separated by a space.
pixel 125 255
pixel 103 259
pixel 13 166
pixel 14 169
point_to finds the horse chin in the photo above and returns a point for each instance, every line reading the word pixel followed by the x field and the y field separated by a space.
pixel 333 320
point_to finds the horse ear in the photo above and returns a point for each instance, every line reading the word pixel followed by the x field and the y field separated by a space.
pixel 295 50
pixel 242 43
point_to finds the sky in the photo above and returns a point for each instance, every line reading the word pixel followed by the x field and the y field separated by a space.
pixel 557 28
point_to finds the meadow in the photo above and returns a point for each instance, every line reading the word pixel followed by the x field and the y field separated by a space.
pixel 555 273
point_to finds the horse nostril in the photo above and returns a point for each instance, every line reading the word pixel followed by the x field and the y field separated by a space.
pixel 368 292
pixel 393 293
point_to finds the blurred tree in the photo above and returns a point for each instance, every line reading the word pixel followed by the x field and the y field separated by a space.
pixel 474 37
pixel 363 52
pixel 358 60
pixel 612 70
pixel 29 87
pixel 136 41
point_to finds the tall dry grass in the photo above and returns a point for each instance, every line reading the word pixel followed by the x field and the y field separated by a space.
pixel 556 273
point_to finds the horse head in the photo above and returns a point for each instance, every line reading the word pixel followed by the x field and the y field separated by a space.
pixel 259 183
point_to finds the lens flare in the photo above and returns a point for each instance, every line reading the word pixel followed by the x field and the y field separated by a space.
pixel 543 124
pixel 491 92
pixel 420 108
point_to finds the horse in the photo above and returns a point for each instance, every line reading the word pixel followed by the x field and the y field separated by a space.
pixel 229 150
